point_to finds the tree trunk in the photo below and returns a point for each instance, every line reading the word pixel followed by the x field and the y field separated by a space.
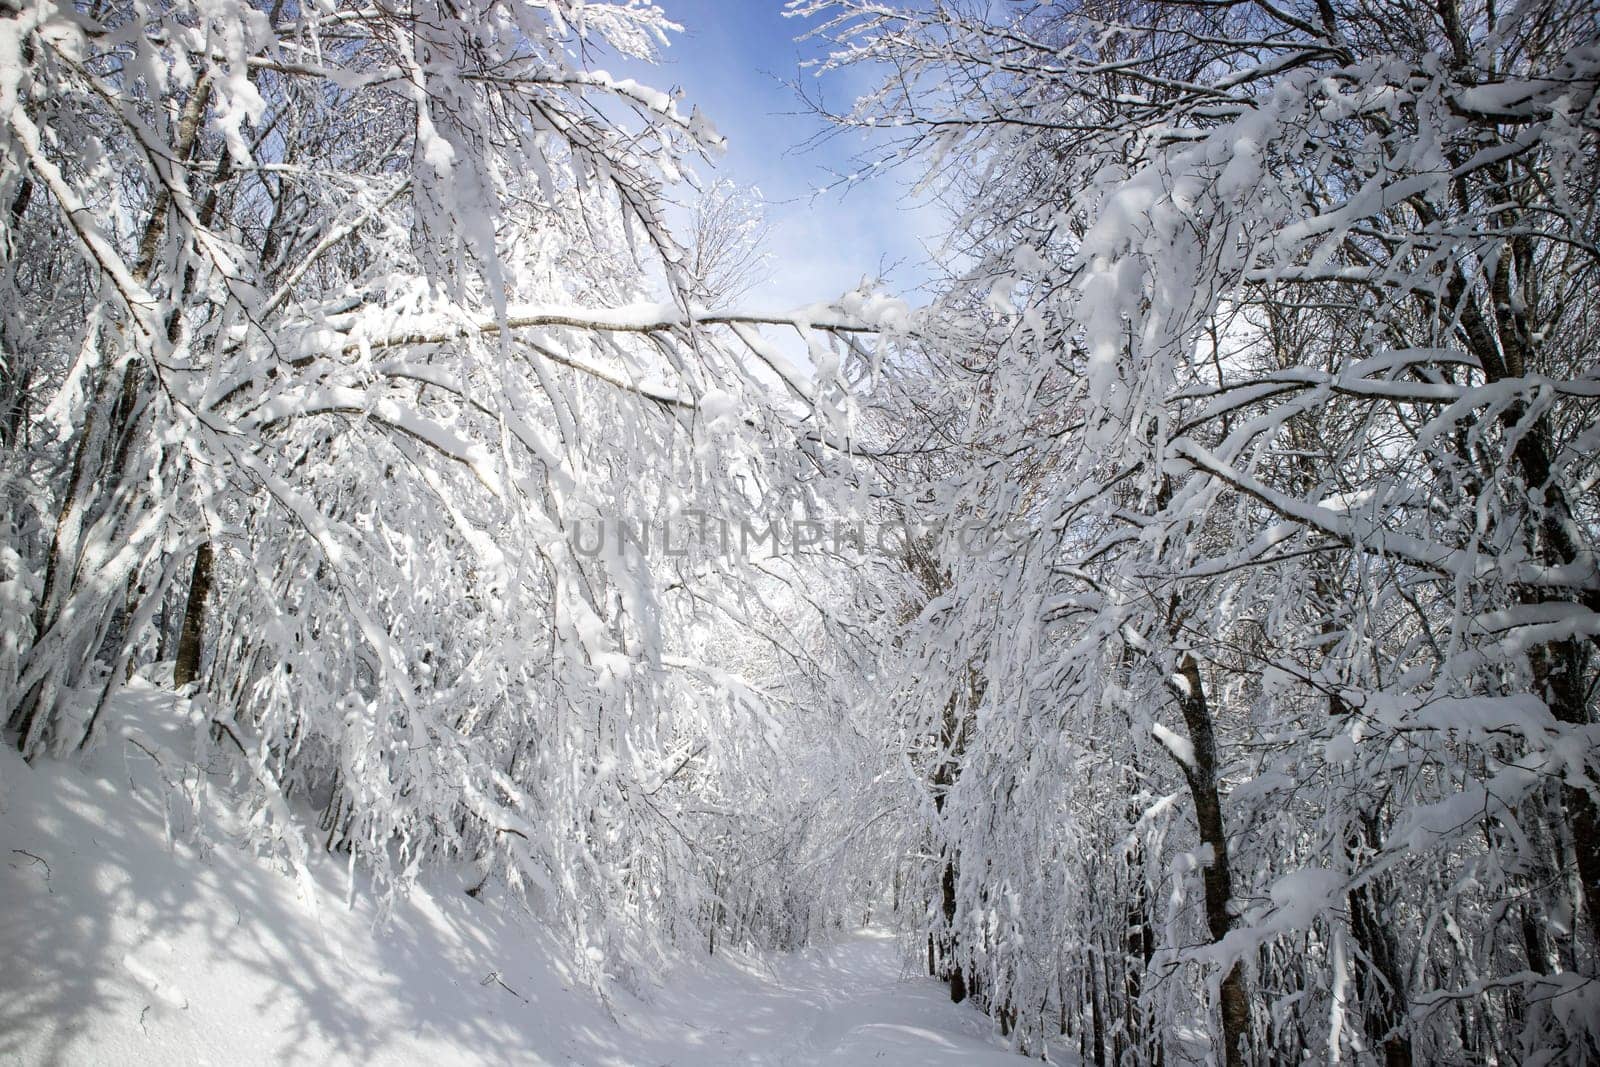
pixel 949 961
pixel 191 642
pixel 1386 1011
pixel 1096 1016
pixel 953 735
pixel 1216 877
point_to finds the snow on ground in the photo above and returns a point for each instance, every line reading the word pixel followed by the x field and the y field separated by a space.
pixel 118 947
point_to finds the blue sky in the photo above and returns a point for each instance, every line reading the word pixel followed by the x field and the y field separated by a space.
pixel 733 60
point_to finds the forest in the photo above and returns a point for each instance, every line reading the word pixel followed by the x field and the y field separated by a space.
pixel 1178 622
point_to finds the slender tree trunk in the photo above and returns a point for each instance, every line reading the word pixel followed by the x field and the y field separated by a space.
pixel 1386 1011
pixel 950 961
pixel 1140 947
pixel 1096 1016
pixel 952 743
pixel 191 641
pixel 1216 877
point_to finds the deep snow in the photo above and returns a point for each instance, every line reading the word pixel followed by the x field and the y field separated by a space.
pixel 118 947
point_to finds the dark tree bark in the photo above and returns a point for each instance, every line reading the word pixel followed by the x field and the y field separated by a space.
pixel 191 642
pixel 1096 1015
pixel 1385 998
pixel 1201 776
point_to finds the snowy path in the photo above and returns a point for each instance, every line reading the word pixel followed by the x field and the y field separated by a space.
pixel 847 1003
pixel 117 947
